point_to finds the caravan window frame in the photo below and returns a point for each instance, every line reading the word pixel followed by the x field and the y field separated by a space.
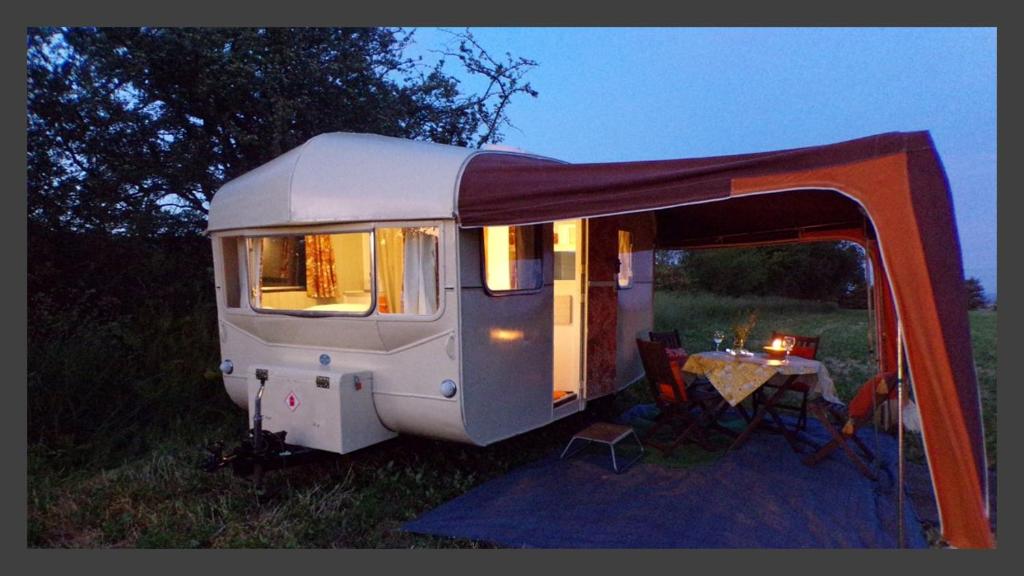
pixel 539 232
pixel 253 253
pixel 441 289
pixel 247 235
pixel 233 282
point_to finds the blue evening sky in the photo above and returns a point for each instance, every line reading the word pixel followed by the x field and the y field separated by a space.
pixel 618 94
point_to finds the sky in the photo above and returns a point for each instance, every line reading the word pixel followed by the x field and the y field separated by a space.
pixel 620 94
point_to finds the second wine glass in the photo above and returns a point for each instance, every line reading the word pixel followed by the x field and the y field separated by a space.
pixel 717 338
pixel 788 342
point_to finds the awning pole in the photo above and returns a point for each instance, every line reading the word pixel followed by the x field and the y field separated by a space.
pixel 899 427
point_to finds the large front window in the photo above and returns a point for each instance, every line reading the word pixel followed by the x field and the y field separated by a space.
pixel 336 274
pixel 328 273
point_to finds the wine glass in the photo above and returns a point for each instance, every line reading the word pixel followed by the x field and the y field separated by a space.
pixel 717 338
pixel 788 342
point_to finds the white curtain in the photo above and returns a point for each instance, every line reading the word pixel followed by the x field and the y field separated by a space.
pixel 419 286
pixel 527 268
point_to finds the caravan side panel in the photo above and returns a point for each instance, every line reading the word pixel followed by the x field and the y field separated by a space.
pixel 506 349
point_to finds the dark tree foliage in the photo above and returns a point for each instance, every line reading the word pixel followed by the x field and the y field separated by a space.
pixel 131 131
pixel 976 298
pixel 826 271
pixel 669 273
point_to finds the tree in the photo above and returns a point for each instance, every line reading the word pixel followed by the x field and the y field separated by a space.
pixel 976 298
pixel 132 131
pixel 669 272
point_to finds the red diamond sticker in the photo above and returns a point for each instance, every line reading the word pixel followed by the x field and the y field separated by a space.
pixel 292 401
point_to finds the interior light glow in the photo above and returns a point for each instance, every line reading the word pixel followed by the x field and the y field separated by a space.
pixel 503 335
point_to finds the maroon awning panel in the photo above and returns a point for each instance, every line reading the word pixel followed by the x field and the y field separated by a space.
pixel 501 188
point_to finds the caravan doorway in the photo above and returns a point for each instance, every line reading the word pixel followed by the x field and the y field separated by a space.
pixel 568 317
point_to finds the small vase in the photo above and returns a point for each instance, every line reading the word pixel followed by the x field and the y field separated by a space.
pixel 740 344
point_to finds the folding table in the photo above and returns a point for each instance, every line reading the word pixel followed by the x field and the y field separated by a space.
pixel 738 376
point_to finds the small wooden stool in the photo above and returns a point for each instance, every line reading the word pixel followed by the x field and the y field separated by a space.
pixel 605 433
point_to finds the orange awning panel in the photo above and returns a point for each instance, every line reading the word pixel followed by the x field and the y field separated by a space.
pixel 937 339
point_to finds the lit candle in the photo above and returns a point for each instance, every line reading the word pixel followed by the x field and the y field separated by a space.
pixel 777 343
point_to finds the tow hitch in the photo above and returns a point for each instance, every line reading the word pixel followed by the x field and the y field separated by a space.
pixel 260 451
pixel 246 459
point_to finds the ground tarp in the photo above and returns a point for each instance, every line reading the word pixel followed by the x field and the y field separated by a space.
pixel 759 496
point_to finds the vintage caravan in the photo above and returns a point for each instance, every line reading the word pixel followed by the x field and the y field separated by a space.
pixel 346 283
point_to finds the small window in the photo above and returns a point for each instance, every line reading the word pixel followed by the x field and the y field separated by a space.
pixel 327 273
pixel 512 258
pixel 565 250
pixel 625 276
pixel 229 256
pixel 407 271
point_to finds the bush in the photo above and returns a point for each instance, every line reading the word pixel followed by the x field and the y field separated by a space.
pixel 822 271
pixel 976 298
pixel 122 342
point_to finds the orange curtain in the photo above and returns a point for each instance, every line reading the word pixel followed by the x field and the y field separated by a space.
pixel 320 278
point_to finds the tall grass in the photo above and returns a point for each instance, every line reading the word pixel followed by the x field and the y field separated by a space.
pixel 983 340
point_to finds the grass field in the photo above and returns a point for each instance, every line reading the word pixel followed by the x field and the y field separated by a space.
pixel 144 490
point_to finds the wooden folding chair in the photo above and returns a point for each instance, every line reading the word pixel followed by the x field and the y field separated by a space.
pixel 689 410
pixel 806 347
pixel 674 347
pixel 843 422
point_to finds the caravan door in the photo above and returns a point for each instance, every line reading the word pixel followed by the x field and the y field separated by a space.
pixel 568 316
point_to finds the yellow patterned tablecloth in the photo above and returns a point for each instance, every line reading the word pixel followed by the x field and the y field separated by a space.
pixel 736 377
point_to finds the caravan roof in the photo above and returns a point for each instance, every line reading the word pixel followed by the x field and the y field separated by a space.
pixel 344 177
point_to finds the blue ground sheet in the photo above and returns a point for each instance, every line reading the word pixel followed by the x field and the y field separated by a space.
pixel 758 496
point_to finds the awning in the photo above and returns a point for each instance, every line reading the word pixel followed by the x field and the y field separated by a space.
pixel 896 180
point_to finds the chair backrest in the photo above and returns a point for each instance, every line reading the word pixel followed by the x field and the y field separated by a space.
pixel 669 338
pixel 806 346
pixel 872 394
pixel 666 385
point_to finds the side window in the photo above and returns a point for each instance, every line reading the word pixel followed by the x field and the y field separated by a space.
pixel 323 273
pixel 625 277
pixel 232 287
pixel 513 260
pixel 407 270
pixel 565 250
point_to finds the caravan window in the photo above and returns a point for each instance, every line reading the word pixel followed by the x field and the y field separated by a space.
pixel 512 258
pixel 229 259
pixel 323 273
pixel 407 271
pixel 625 276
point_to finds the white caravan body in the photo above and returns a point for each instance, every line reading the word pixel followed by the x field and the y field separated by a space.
pixel 440 337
